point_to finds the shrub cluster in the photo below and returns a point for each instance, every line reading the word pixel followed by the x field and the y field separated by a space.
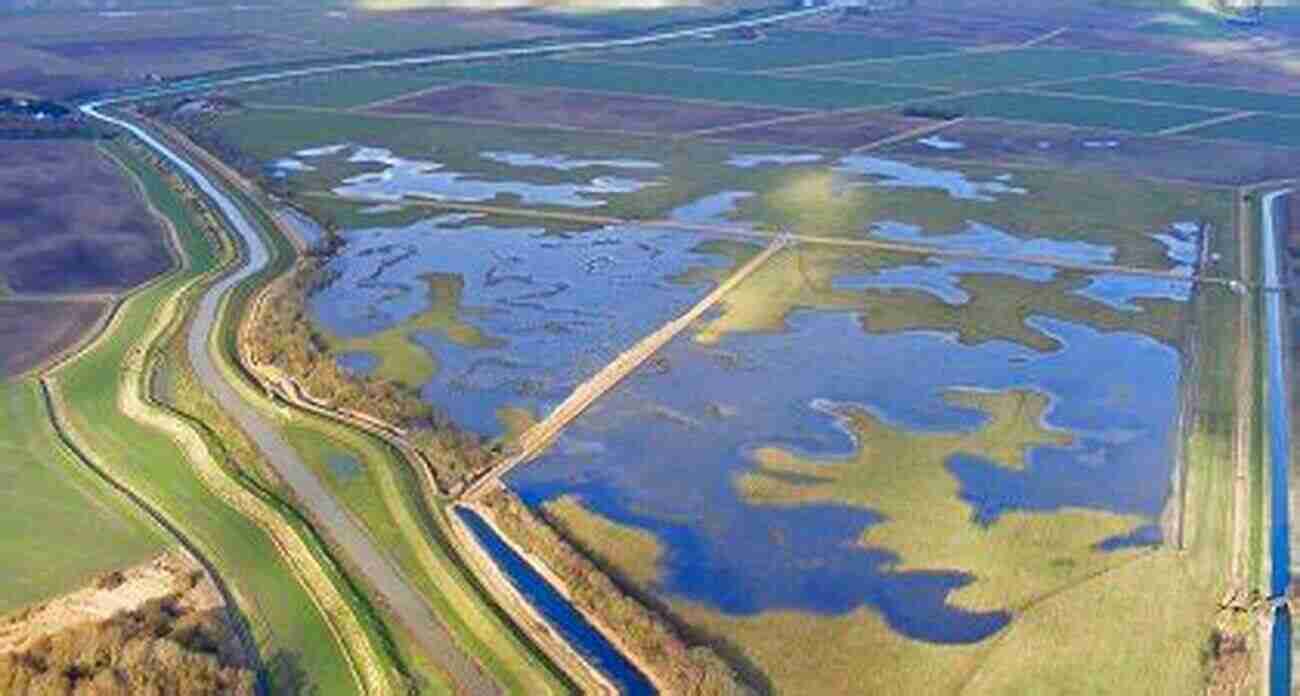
pixel 282 335
pixel 159 648
pixel 688 670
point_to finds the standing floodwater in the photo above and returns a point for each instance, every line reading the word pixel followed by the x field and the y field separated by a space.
pixel 557 610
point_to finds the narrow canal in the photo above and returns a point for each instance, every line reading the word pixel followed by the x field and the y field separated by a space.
pixel 1279 453
pixel 551 604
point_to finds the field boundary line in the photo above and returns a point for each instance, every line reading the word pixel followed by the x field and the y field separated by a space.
pixel 1044 38
pixel 432 89
pixel 703 132
pixel 1205 124
pixel 752 73
pixel 649 95
pixel 907 135
pixel 1047 92
pixel 1212 85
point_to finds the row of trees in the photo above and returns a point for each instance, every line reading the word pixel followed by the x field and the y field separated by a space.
pixel 684 669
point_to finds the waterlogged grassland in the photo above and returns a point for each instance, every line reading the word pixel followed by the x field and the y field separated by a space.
pixel 904 476
pixel 62 524
pixel 631 552
pixel 403 360
pixel 1204 96
pixel 824 198
pixel 998 306
pixel 683 83
pixel 1075 111
pixel 296 644
pixel 984 70
pixel 778 49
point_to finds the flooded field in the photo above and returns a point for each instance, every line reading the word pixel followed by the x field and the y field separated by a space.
pixel 914 447
pixel 828 469
pixel 487 318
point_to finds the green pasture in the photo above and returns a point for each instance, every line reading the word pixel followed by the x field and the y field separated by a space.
pixel 988 69
pixel 62 524
pixel 684 83
pixel 297 645
pixel 778 49
pixel 1266 129
pixel 1202 96
pixel 1075 111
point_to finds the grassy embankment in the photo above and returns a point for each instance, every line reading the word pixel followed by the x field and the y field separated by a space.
pixel 63 524
pixel 386 498
pixel 296 641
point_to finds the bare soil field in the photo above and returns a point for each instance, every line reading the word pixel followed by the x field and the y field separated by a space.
pixel 70 221
pixel 31 332
pixel 837 130
pixel 576 109
pixel 1270 72
pixel 1185 159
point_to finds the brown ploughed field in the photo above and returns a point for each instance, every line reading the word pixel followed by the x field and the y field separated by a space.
pixel 32 331
pixel 70 221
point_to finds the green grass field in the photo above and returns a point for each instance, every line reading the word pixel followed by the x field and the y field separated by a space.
pixel 984 70
pixel 779 49
pixel 683 83
pixel 1203 96
pixel 1264 128
pixel 62 524
pixel 296 643
pixel 1074 111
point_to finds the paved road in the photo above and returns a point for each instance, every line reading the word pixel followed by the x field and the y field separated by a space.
pixel 379 572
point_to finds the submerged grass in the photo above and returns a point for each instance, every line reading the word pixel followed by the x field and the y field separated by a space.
pixel 403 360
pixel 632 552
pixel 999 306
pixel 904 476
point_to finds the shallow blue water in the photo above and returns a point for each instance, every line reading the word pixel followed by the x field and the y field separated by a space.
pixel 661 453
pixel 554 308
pixel 344 466
pixel 557 610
